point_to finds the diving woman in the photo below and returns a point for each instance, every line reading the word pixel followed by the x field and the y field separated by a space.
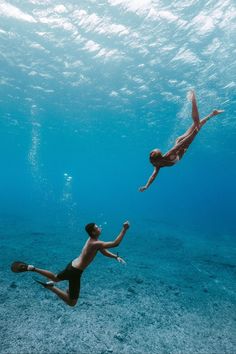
pixel 182 143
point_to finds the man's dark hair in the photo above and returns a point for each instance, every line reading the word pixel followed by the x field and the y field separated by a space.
pixel 89 228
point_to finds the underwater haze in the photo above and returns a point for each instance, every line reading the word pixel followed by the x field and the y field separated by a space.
pixel 87 89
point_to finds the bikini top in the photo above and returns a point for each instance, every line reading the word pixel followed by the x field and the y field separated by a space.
pixel 170 162
pixel 174 161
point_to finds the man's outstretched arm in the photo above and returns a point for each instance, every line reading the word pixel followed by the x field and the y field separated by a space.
pixel 108 254
pixel 150 180
pixel 112 255
pixel 101 245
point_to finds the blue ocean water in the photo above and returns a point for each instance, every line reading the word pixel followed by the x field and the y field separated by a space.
pixel 88 89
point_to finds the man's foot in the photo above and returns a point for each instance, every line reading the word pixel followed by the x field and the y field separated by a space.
pixel 47 284
pixel 19 267
pixel 30 268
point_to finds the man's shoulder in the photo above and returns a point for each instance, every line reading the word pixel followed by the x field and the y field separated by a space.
pixel 96 244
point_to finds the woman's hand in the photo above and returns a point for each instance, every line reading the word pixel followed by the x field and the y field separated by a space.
pixel 142 189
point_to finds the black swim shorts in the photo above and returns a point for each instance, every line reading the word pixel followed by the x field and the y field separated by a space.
pixel 73 275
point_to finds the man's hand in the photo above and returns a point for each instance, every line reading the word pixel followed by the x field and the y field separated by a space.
pixel 142 189
pixel 120 260
pixel 217 111
pixel 126 225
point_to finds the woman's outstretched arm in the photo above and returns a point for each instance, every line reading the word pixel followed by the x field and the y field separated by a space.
pixel 150 180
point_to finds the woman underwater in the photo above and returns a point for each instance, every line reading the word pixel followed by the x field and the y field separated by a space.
pixel 181 145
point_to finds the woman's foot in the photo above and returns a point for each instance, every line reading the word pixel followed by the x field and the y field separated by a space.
pixel 191 95
pixel 215 112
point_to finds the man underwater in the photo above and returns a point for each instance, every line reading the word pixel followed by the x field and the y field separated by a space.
pixel 74 269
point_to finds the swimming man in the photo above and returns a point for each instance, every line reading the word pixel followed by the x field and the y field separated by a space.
pixel 181 145
pixel 74 269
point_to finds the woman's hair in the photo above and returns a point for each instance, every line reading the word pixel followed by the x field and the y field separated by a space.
pixel 155 155
pixel 89 228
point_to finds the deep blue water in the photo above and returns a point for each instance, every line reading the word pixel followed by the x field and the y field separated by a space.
pixel 87 90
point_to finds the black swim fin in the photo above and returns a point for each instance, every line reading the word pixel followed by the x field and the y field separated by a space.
pixel 19 267
pixel 47 284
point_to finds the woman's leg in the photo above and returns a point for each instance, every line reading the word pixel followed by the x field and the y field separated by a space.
pixel 195 114
pixel 214 113
pixel 186 143
pixel 183 142
pixel 187 133
pixel 182 145
pixel 193 131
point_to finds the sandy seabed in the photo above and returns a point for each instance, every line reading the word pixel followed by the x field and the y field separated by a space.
pixel 177 294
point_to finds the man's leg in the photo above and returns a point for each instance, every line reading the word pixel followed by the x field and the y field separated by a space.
pixel 71 296
pixel 44 272
pixel 62 295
